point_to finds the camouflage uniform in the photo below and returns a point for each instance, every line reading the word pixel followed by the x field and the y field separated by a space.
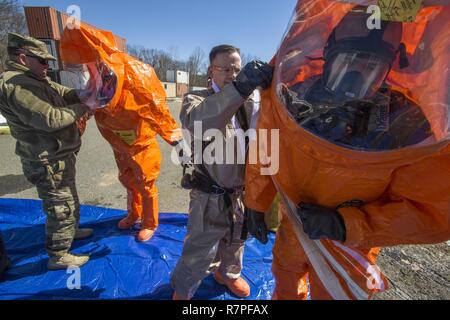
pixel 42 116
pixel 55 184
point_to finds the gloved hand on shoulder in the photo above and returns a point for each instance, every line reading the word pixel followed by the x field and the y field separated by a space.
pixel 88 97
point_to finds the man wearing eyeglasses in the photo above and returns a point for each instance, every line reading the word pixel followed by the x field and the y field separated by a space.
pixel 42 116
pixel 214 241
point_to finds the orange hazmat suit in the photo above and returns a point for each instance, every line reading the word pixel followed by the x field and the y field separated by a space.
pixel 404 191
pixel 135 113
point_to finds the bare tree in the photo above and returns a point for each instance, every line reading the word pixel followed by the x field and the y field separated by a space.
pixel 196 64
pixel 163 61
pixel 196 67
pixel 246 58
pixel 160 60
pixel 135 51
pixel 11 20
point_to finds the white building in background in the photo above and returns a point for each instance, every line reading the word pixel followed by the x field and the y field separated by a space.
pixel 171 89
pixel 177 76
pixel 2 120
pixel 181 81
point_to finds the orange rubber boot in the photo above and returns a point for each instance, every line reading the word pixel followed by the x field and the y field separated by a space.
pixel 238 287
pixel 177 297
pixel 127 223
pixel 149 217
pixel 145 235
pixel 134 205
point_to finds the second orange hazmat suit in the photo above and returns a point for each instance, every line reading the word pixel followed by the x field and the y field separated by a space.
pixel 405 191
pixel 136 113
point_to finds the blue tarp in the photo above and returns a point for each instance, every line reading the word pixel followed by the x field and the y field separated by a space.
pixel 120 267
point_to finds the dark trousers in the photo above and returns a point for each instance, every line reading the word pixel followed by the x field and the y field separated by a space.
pixel 4 262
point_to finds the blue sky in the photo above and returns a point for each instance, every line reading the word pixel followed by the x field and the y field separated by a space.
pixel 178 26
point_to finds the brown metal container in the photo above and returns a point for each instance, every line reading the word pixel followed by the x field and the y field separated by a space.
pixel 42 22
pixel 48 23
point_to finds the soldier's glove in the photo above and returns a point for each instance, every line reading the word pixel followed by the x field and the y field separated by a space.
pixel 322 223
pixel 255 74
pixel 89 98
pixel 256 225
pixel 184 153
pixel 93 104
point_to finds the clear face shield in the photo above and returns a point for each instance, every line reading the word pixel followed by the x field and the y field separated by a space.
pixel 353 91
pixel 356 75
pixel 95 82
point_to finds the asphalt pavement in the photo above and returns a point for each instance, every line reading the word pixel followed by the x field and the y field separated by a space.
pixel 97 180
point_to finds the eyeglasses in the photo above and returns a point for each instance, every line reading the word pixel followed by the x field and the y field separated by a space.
pixel 227 70
pixel 42 61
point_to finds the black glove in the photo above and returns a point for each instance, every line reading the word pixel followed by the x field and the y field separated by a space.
pixel 255 74
pixel 256 225
pixel 322 223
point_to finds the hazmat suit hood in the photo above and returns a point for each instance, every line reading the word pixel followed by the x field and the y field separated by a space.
pixel 94 63
pixel 356 91
pixel 133 98
pixel 134 111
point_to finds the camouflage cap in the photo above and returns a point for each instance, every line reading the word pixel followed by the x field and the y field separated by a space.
pixel 32 45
